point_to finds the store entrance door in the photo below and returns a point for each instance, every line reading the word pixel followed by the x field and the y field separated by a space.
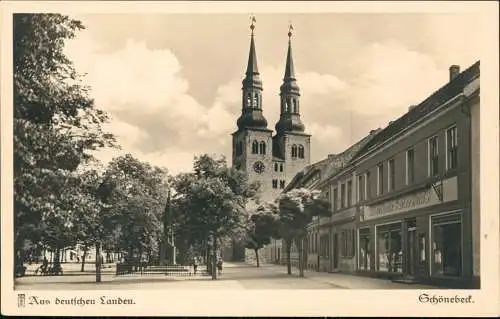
pixel 411 247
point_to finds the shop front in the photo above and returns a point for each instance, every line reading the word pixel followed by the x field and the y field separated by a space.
pixel 416 237
pixel 343 241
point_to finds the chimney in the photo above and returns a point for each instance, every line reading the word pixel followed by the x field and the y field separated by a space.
pixel 454 71
pixel 411 107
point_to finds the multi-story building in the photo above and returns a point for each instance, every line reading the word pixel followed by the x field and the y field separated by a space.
pixel 416 215
pixel 321 176
pixel 407 204
pixel 271 159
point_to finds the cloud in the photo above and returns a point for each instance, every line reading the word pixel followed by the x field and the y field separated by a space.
pixel 159 116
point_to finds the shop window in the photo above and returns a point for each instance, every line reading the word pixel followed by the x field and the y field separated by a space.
pixel 446 240
pixel 364 249
pixel 422 248
pixel 389 248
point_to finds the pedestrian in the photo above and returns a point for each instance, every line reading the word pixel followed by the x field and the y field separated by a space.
pixel 195 264
pixel 219 265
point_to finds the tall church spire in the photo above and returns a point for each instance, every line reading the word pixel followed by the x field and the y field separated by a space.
pixel 290 95
pixel 251 111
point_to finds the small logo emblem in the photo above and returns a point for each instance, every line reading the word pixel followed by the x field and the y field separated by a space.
pixel 21 300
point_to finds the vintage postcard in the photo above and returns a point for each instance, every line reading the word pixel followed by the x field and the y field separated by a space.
pixel 250 158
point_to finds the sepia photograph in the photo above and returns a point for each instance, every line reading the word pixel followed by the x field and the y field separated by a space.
pixel 253 151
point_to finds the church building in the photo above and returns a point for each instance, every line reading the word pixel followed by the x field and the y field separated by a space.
pixel 271 158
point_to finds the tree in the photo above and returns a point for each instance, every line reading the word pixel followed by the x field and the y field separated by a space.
pixel 296 210
pixel 214 197
pixel 263 226
pixel 56 126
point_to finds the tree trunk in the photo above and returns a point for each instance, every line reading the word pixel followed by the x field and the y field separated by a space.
pixel 214 258
pixel 288 253
pixel 83 258
pixel 257 256
pixel 301 258
pixel 98 262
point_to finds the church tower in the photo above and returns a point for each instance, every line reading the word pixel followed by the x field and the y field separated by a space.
pixel 291 143
pixel 252 142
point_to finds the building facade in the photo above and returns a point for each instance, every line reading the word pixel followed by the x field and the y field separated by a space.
pixel 406 204
pixel 270 158
pixel 415 204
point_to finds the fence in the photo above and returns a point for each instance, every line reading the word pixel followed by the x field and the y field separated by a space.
pixel 123 269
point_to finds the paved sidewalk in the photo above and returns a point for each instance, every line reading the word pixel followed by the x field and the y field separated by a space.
pixel 349 281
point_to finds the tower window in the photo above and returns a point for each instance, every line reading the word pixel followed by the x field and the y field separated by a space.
pixel 294 106
pixel 275 183
pixel 262 147
pixel 301 151
pixel 255 147
pixel 281 167
pixel 275 167
pixel 256 100
pixel 294 151
pixel 282 184
pixel 249 99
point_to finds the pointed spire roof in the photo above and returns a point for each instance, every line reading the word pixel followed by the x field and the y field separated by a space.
pixel 252 74
pixel 252 57
pixel 289 69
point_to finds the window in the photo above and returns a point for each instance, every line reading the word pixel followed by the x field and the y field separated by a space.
pixel 347 243
pixel 433 156
pixel 391 176
pixel 282 184
pixel 301 151
pixel 335 199
pixel 361 192
pixel 262 147
pixel 451 148
pixel 410 166
pixel 294 151
pixel 380 179
pixel 349 193
pixel 255 147
pixel 342 195
pixel 255 100
pixel 323 246
pixel 389 248
pixel 446 252
pixel 281 167
pixel 275 183
pixel 367 185
pixel 249 99
pixel 275 167
pixel 364 249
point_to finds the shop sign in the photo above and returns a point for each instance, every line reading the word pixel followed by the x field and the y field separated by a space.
pixel 418 200
pixel 345 214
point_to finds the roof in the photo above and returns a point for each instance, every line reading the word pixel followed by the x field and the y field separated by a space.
pixel 439 97
pixel 330 165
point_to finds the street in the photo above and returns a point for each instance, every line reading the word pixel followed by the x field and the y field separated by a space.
pixel 235 276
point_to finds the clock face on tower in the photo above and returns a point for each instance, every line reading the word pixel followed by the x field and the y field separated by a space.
pixel 259 167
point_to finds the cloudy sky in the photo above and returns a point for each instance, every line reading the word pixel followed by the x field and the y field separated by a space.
pixel 172 82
